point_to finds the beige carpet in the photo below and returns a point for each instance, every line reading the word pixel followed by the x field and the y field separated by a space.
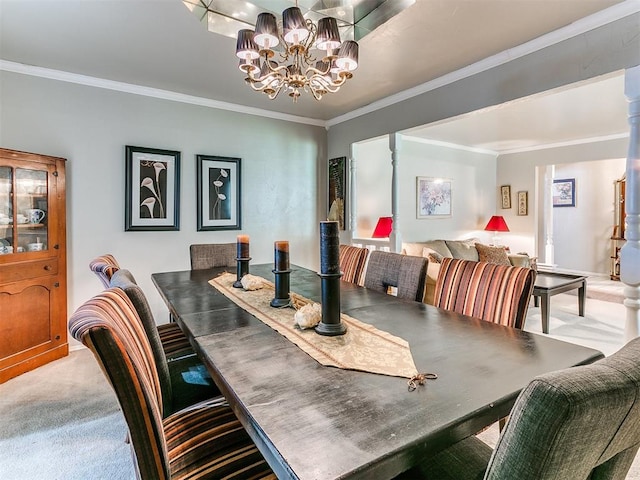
pixel 61 421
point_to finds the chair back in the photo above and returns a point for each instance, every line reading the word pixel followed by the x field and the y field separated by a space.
pixel 123 280
pixel 574 424
pixel 406 273
pixel 491 292
pixel 104 266
pixel 352 263
pixel 210 255
pixel 109 326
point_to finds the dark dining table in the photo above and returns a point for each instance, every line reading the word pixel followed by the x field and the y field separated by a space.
pixel 316 422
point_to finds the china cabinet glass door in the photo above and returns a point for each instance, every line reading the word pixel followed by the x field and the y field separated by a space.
pixel 23 210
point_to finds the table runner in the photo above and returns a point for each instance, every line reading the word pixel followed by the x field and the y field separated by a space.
pixel 363 348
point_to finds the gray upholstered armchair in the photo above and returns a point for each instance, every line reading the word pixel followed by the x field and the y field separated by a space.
pixel 574 424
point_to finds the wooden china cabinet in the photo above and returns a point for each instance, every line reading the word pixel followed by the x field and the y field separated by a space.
pixel 33 272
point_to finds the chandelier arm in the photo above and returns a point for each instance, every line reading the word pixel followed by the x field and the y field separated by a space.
pixel 328 86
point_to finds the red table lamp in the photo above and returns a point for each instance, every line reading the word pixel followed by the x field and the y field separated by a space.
pixel 497 224
pixel 383 228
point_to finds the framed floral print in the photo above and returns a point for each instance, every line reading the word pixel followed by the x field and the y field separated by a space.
pixel 564 192
pixel 433 197
pixel 152 189
pixel 218 189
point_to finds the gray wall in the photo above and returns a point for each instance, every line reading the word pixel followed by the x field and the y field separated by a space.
pixel 473 176
pixel 91 126
pixel 598 163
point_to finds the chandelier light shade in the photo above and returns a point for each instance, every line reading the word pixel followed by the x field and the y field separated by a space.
pixel 383 228
pixel 496 224
pixel 296 68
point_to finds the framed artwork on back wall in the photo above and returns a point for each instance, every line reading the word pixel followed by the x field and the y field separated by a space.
pixel 152 189
pixel 218 191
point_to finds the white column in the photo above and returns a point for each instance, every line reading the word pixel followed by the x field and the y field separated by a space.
pixel 395 240
pixel 630 251
pixel 548 216
pixel 353 194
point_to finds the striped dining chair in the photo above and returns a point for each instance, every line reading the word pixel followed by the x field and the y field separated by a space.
pixel 491 292
pixel 202 441
pixel 173 340
pixel 184 380
pixel 104 266
pixel 353 261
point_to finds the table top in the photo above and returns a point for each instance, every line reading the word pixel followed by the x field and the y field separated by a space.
pixel 315 422
pixel 553 279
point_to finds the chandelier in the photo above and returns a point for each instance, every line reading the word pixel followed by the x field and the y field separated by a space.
pixel 296 69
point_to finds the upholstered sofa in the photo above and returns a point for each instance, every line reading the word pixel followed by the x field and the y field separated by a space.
pixel 468 249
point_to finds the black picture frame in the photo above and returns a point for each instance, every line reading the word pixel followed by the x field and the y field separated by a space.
pixel 564 192
pixel 152 189
pixel 219 192
pixel 337 191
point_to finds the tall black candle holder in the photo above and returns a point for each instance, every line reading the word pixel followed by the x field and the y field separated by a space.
pixel 331 323
pixel 241 270
pixel 282 285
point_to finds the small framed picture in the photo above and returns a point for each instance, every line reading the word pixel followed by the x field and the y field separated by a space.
pixel 218 190
pixel 433 197
pixel 523 203
pixel 152 189
pixel 505 193
pixel 564 192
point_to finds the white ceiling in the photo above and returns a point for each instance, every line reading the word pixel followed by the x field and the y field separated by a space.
pixel 160 44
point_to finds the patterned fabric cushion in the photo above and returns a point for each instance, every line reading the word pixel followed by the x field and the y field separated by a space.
pixel 405 272
pixel 495 293
pixel 210 255
pixel 202 441
pixel 464 249
pixel 352 263
pixel 489 254
pixel 104 267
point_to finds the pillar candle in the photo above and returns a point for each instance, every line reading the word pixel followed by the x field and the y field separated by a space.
pixel 329 248
pixel 243 246
pixel 281 256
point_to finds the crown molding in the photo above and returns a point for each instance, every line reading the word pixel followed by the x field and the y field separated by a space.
pixel 62 76
pixel 454 146
pixel 568 143
pixel 604 17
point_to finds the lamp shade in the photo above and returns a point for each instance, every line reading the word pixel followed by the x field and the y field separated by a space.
pixel 294 26
pixel 348 56
pixel 497 224
pixel 328 35
pixel 383 227
pixel 266 34
pixel 246 49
